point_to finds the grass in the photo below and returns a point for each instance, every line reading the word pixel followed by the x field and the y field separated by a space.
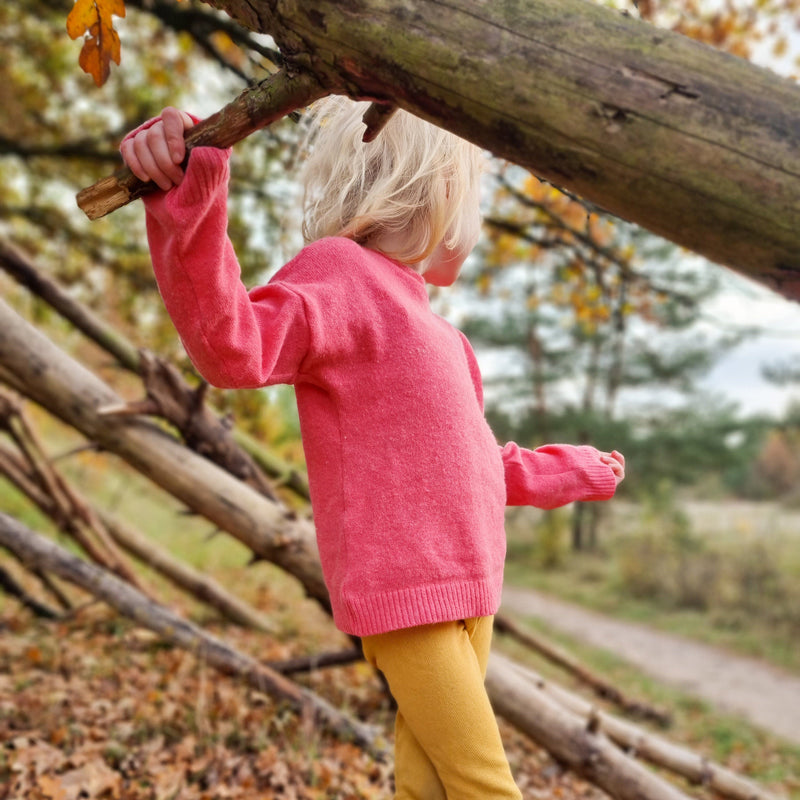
pixel 724 573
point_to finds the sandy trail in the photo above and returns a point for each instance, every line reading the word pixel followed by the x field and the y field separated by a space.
pixel 767 696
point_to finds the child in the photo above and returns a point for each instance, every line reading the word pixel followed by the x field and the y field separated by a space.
pixel 408 485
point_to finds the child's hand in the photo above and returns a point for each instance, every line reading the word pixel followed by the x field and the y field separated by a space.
pixel 156 153
pixel 616 461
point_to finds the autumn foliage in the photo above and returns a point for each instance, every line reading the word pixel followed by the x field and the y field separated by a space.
pixel 93 19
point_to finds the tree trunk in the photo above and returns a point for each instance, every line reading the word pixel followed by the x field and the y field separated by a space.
pixel 694 144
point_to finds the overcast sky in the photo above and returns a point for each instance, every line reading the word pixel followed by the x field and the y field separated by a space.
pixel 743 304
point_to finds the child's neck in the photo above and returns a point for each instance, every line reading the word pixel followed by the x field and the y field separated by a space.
pixel 394 242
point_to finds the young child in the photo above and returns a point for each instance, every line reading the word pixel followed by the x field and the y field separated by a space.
pixel 408 484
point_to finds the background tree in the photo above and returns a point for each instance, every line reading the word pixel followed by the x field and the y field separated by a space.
pixel 589 306
pixel 59 134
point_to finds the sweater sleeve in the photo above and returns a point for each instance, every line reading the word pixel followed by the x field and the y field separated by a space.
pixel 555 474
pixel 235 338
pixel 550 476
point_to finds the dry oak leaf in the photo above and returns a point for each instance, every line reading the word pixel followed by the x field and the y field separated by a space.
pixel 92 781
pixel 93 20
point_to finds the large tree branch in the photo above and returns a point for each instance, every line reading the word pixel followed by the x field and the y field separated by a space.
pixel 696 145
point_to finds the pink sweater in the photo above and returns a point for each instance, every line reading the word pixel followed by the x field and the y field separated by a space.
pixel 408 484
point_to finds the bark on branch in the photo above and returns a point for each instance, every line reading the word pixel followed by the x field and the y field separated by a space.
pixel 253 109
pixel 696 145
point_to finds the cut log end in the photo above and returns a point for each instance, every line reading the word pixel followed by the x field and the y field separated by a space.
pixel 103 197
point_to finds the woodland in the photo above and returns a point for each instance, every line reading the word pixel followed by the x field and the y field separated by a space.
pixel 164 628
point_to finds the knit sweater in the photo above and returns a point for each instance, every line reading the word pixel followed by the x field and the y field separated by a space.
pixel 408 484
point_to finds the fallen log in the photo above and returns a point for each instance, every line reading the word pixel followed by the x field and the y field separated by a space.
pixel 20 267
pixel 572 740
pixel 17 264
pixel 35 475
pixel 42 372
pixel 10 585
pixel 37 550
pixel 645 745
pixel 200 586
pixel 197 584
pixel 600 686
pixel 317 661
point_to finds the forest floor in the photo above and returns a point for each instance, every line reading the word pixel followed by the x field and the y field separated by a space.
pixel 764 694
pixel 94 708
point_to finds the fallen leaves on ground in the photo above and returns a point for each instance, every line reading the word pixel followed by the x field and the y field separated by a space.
pixel 96 708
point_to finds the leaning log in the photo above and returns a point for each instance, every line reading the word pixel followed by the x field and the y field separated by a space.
pixel 199 585
pixel 46 375
pixel 572 740
pixel 20 267
pixel 695 768
pixel 202 587
pixel 10 585
pixel 693 144
pixel 37 550
pixel 599 685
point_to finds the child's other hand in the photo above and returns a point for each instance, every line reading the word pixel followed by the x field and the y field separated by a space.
pixel 616 461
pixel 156 153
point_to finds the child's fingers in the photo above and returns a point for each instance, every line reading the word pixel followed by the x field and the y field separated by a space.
pixel 151 151
pixel 130 158
pixel 616 461
pixel 175 123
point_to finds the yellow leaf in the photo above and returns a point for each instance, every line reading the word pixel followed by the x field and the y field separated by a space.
pixel 81 17
pixel 781 47
pixel 101 46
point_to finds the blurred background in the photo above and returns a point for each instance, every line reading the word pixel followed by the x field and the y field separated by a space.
pixel 588 329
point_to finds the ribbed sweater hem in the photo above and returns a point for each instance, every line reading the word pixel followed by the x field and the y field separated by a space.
pixel 420 605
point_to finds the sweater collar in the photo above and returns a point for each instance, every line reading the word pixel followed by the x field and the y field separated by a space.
pixel 410 272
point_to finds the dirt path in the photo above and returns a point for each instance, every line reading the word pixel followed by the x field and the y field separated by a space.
pixel 767 696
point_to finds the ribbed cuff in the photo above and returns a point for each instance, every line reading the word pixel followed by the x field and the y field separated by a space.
pixel 600 477
pixel 206 172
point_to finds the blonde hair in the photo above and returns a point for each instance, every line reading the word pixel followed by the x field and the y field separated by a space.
pixel 412 179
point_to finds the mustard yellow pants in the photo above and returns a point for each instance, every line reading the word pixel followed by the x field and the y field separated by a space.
pixel 447 744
